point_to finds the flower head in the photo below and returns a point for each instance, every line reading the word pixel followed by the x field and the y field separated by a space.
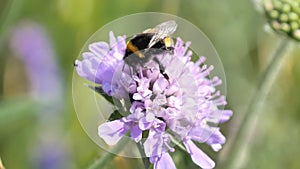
pixel 284 16
pixel 172 98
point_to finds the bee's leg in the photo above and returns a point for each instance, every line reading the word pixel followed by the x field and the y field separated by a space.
pixel 170 49
pixel 123 68
pixel 129 67
pixel 131 71
pixel 161 68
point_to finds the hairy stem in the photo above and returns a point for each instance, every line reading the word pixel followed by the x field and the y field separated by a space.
pixel 244 134
pixel 143 155
pixel 2 61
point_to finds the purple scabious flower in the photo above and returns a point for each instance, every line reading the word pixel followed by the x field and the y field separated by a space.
pixel 178 102
pixel 99 65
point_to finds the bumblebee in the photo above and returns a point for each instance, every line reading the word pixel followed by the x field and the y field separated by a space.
pixel 138 49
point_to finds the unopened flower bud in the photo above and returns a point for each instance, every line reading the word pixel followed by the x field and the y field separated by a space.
pixel 284 16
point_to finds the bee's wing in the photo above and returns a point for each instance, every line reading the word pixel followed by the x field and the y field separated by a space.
pixel 162 30
pixel 166 28
pixel 150 30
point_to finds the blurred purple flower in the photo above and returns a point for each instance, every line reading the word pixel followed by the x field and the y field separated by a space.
pixel 32 45
pixel 30 42
pixel 180 101
pixel 50 153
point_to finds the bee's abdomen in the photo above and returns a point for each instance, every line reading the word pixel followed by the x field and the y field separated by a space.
pixel 137 43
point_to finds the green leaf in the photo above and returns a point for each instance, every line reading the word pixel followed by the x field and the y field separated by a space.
pixel 115 115
pixel 99 90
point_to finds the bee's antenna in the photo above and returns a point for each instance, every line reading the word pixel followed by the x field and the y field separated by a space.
pixel 161 68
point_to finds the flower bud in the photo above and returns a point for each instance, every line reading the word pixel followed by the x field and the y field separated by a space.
pixel 284 16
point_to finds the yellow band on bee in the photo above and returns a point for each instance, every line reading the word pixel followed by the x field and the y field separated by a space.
pixel 134 49
pixel 168 41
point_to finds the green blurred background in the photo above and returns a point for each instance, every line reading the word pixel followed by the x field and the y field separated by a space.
pixel 235 28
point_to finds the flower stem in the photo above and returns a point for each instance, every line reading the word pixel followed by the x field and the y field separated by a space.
pixel 2 61
pixel 177 143
pixel 108 157
pixel 244 134
pixel 143 155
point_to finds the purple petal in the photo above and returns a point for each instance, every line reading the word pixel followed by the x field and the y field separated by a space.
pixel 112 39
pixel 153 144
pixel 144 124
pixel 216 140
pixel 173 88
pixel 159 125
pixel 95 61
pixel 107 88
pixel 132 88
pixel 137 96
pixel 174 102
pixel 100 49
pixel 201 133
pixel 118 46
pixel 160 85
pixel 105 73
pixel 216 147
pixel 88 55
pixel 164 162
pixel 226 114
pixel 136 133
pixel 87 69
pixel 152 71
pixel 198 156
pixel 135 105
pixel 79 68
pixel 112 132
pixel 217 137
